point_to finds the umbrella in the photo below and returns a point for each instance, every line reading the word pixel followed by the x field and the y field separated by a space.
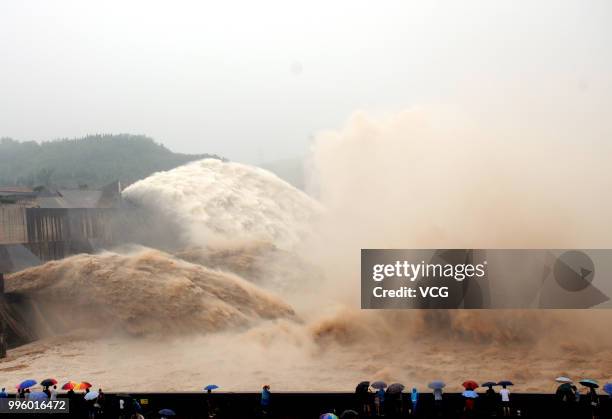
pixel 505 383
pixel 489 384
pixel 587 382
pixel 82 385
pixel 362 387
pixel 470 394
pixel 167 412
pixel 38 396
pixel 395 388
pixel 138 408
pixel 563 380
pixel 379 384
pixel 92 395
pixel 328 416
pixel 470 385
pixel 349 414
pixel 608 388
pixel 25 384
pixel 436 385
pixel 70 385
pixel 48 382
pixel 211 387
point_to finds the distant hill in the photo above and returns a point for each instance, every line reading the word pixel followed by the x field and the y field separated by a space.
pixel 94 161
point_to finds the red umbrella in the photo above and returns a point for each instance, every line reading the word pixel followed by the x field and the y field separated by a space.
pixel 70 385
pixel 82 385
pixel 470 385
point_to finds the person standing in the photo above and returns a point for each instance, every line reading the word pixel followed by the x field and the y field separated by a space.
pixel 490 401
pixel 414 399
pixel 265 400
pixel 594 403
pixel 362 393
pixel 379 401
pixel 576 394
pixel 99 405
pixel 505 400
pixel 53 395
pixel 437 392
pixel 89 404
pixel 122 408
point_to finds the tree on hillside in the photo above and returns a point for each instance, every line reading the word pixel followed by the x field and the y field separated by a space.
pixel 94 160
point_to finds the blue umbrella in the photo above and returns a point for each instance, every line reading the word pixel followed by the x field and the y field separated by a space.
pixel 26 384
pixel 436 385
pixel 211 387
pixel 38 396
pixel 505 383
pixel 137 407
pixel 167 412
pixel 378 384
pixel 328 416
pixel 470 394
pixel 608 388
pixel 489 384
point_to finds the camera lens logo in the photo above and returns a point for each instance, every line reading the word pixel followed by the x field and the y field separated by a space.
pixel 574 271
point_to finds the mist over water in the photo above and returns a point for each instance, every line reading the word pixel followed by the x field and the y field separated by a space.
pixel 264 286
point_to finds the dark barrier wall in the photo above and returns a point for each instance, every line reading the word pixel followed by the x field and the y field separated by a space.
pixel 312 405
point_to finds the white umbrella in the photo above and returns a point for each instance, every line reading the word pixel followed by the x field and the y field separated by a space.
pixel 92 395
pixel 563 380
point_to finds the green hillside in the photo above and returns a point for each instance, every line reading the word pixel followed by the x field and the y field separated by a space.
pixel 95 160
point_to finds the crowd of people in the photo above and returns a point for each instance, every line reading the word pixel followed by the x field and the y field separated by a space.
pixel 83 401
pixel 376 399
pixel 372 400
pixel 379 400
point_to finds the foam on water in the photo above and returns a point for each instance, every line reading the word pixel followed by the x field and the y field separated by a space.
pixel 211 199
pixel 146 292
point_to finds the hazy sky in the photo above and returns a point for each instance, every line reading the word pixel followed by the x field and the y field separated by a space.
pixel 254 80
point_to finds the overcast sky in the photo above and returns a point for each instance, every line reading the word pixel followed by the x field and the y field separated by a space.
pixel 255 80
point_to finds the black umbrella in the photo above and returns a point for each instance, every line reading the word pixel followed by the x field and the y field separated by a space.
pixel 379 384
pixel 395 388
pixel 349 414
pixel 48 382
pixel 362 387
pixel 587 382
pixel 505 383
pixel 488 384
pixel 565 390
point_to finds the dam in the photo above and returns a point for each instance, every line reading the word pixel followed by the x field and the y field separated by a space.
pixel 39 225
